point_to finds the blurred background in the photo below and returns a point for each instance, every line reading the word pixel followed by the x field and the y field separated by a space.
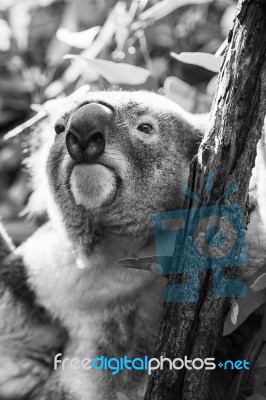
pixel 50 48
pixel 36 35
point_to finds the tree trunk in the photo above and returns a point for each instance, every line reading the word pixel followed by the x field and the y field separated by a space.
pixel 228 153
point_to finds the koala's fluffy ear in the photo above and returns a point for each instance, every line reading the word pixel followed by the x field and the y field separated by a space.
pixel 200 124
pixel 195 127
pixel 200 121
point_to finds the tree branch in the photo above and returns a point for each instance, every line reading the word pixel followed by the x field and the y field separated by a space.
pixel 228 152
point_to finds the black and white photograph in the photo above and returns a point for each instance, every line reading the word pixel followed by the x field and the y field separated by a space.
pixel 132 200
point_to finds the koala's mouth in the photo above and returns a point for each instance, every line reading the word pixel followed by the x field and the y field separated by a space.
pixel 92 185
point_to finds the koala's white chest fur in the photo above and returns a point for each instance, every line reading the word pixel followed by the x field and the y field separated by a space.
pixel 87 294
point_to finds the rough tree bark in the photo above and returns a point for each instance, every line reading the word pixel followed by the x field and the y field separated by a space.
pixel 228 151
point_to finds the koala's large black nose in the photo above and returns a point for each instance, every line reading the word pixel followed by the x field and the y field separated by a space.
pixel 85 139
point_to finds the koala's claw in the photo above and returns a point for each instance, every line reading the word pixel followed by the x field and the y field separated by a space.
pixel 143 263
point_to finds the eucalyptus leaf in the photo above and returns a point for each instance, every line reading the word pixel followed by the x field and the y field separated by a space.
pixel 204 60
pixel 163 8
pixel 80 40
pixel 246 305
pixel 260 283
pixel 117 73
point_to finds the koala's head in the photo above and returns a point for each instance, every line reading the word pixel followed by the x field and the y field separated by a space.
pixel 117 158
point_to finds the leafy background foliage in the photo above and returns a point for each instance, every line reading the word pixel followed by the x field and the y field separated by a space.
pixel 49 48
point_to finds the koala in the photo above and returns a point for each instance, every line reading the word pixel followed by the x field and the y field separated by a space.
pixel 111 162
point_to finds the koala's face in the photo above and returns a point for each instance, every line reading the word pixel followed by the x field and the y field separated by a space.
pixel 117 158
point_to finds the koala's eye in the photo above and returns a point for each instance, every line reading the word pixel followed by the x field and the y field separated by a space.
pixel 145 128
pixel 59 127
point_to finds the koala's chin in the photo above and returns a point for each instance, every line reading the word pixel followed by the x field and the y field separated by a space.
pixel 92 185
